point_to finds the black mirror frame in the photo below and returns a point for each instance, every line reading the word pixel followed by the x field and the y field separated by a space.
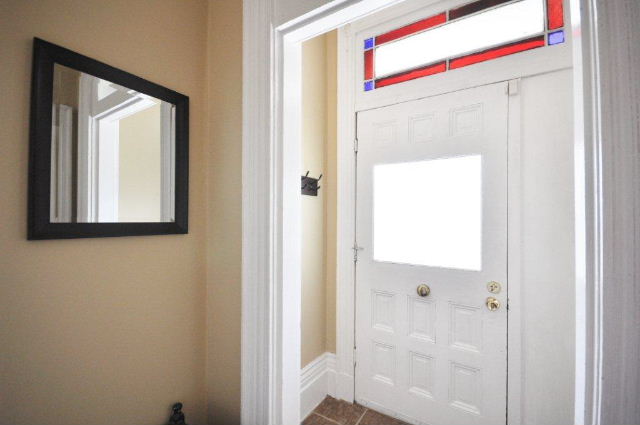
pixel 45 54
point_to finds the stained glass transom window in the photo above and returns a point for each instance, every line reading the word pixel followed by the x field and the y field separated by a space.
pixel 473 33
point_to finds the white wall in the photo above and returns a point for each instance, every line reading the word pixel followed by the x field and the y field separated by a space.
pixel 286 10
pixel 619 39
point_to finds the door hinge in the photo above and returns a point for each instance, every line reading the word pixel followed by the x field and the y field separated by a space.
pixel 356 249
pixel 355 145
pixel 355 357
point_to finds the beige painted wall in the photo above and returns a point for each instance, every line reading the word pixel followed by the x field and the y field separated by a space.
pixel 111 330
pixel 139 151
pixel 319 213
pixel 331 185
pixel 104 330
pixel 314 118
pixel 224 211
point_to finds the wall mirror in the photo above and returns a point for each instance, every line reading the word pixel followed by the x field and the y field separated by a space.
pixel 108 150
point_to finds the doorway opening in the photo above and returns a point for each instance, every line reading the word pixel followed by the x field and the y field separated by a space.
pixel 528 83
pixel 435 174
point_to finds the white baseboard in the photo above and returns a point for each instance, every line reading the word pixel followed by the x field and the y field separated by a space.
pixel 317 380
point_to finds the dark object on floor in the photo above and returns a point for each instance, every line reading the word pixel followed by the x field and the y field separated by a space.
pixel 177 417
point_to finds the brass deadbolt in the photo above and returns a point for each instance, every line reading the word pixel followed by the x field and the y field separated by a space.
pixel 423 290
pixel 494 287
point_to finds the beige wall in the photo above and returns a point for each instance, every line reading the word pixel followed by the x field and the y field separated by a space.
pixel 319 213
pixel 314 118
pixel 111 330
pixel 224 213
pixel 331 186
pixel 139 164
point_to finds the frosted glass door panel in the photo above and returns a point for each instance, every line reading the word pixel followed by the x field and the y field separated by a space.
pixel 429 213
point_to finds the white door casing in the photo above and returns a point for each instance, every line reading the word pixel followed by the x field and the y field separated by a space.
pixel 432 209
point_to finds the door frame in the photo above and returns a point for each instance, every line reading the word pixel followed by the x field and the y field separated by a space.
pixel 270 374
pixel 351 101
pixel 346 280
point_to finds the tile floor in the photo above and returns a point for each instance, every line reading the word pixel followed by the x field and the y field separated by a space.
pixel 332 412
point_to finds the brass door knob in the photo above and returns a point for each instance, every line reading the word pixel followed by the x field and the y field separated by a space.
pixel 424 290
pixel 492 304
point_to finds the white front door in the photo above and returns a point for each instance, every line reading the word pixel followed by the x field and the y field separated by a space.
pixel 432 210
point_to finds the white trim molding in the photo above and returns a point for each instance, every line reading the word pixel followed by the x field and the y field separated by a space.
pixel 608 175
pixel 588 213
pixel 317 380
pixel 260 350
pixel 345 266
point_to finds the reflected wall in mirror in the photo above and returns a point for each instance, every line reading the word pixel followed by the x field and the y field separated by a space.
pixel 109 150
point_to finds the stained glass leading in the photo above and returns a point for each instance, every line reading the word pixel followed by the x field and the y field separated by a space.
pixel 469 34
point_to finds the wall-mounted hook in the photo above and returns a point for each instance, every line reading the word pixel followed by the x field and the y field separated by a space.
pixel 309 185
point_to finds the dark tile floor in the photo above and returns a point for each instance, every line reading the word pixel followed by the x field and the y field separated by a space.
pixel 332 412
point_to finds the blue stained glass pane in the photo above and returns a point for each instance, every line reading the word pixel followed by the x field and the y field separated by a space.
pixel 369 43
pixel 368 85
pixel 556 37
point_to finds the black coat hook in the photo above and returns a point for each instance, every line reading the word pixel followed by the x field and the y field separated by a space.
pixel 309 185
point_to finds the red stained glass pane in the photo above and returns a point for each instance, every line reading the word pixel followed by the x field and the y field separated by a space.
pixel 368 65
pixel 555 13
pixel 474 7
pixel 411 75
pixel 497 52
pixel 429 22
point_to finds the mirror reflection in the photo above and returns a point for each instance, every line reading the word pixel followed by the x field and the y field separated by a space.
pixel 112 152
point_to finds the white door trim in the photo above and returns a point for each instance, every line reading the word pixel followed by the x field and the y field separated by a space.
pixel 271 164
pixel 589 200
